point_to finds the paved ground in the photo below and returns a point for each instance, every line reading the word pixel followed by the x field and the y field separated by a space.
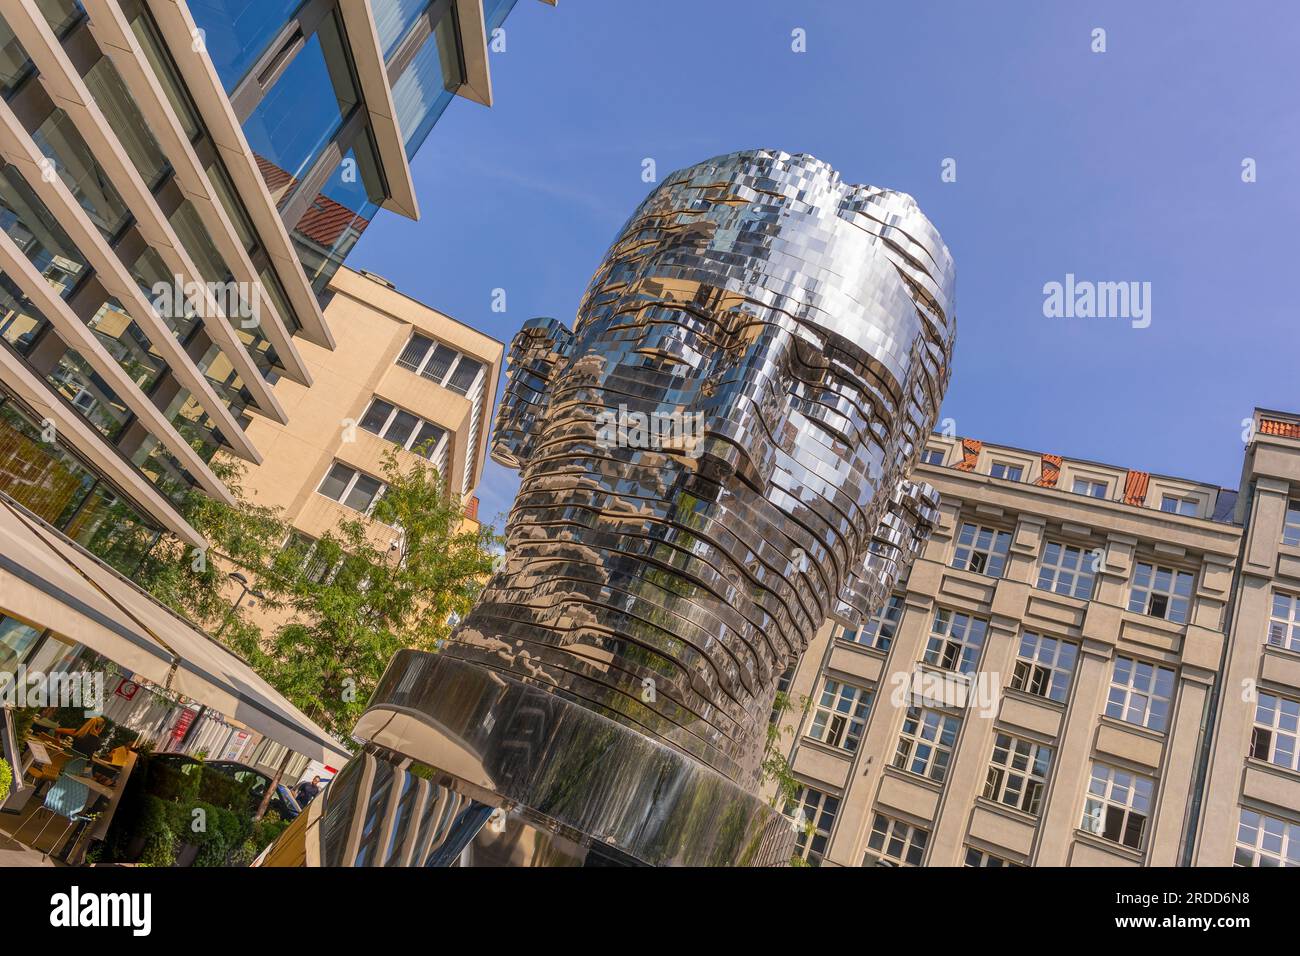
pixel 13 853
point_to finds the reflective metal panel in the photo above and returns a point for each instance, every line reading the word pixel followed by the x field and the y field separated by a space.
pixel 713 460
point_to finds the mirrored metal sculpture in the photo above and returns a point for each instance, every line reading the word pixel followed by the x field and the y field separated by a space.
pixel 712 461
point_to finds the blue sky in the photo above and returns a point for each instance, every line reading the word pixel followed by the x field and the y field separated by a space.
pixel 1117 166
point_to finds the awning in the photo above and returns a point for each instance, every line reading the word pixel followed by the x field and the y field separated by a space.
pixel 50 582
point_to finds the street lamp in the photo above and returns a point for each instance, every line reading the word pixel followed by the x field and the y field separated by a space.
pixel 244 589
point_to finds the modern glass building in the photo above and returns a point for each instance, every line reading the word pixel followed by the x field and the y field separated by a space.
pixel 180 181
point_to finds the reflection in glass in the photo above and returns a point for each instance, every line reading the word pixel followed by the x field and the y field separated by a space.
pixel 62 145
pixel 37 233
pixel 237 32
pixel 299 115
pixel 115 102
pixel 331 226
pixel 427 85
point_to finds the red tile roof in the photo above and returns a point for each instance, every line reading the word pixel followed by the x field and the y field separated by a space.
pixel 970 454
pixel 1273 426
pixel 1051 471
pixel 326 220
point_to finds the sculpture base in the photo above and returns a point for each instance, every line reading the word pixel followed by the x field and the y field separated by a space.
pixel 465 765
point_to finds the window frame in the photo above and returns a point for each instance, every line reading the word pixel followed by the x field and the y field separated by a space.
pixel 1291 523
pixel 914 841
pixel 1027 784
pixel 457 358
pixel 350 485
pixel 1007 467
pixel 872 632
pixel 1056 570
pixel 1276 731
pixel 1180 502
pixel 927 735
pixel 800 809
pixel 1290 640
pixel 409 444
pixel 1109 800
pixel 995 554
pixel 1150 591
pixel 1121 696
pixel 1037 671
pixel 963 644
pixel 1288 851
pixel 1093 484
pixel 828 719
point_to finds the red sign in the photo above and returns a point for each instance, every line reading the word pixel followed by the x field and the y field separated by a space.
pixel 183 724
pixel 127 689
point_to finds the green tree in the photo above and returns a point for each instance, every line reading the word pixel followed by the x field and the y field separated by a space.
pixel 352 598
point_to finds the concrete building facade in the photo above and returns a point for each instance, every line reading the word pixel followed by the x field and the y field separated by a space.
pixel 1050 683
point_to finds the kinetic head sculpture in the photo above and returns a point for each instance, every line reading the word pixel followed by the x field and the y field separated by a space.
pixel 712 461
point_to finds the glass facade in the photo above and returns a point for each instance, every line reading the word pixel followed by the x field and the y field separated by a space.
pixel 51 482
pixel 237 32
pixel 29 224
pixel 336 219
pixel 393 18
pixel 62 145
pixel 427 85
pixel 299 115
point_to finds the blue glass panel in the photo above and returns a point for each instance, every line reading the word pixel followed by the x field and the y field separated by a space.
pixel 421 94
pixel 334 222
pixel 236 32
pixel 494 14
pixel 393 18
pixel 298 116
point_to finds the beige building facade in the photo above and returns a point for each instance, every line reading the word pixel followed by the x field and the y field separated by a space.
pixel 1044 688
pixel 402 378
pixel 1252 799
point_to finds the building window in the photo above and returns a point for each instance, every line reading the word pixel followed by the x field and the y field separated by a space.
pixel 1066 569
pixel 1284 622
pixel 926 744
pixel 1160 592
pixel 1291 524
pixel 1140 693
pixel 956 640
pixel 1044 666
pixel 1001 469
pixel 1177 505
pixel 315 566
pixel 1093 489
pixel 982 858
pixel 1118 805
pixel 1266 841
pixel 439 363
pixel 840 715
pixel 1274 736
pixel 982 550
pixel 895 843
pixel 878 630
pixel 813 807
pixel 1018 773
pixel 932 456
pixel 402 428
pixel 352 488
